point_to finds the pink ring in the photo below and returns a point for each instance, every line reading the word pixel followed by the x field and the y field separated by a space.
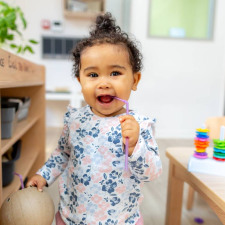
pixel 201 139
pixel 200 156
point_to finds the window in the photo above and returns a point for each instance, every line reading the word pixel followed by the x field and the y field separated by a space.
pixel 181 19
pixel 58 47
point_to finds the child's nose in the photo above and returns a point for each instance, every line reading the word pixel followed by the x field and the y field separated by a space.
pixel 104 84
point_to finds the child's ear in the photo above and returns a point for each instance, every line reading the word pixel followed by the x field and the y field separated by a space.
pixel 78 78
pixel 137 78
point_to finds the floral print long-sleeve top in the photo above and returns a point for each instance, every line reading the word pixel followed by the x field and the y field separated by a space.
pixel 94 186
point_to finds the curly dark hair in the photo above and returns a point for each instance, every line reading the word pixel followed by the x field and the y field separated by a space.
pixel 104 31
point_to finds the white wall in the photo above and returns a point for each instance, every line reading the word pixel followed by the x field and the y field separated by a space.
pixel 182 82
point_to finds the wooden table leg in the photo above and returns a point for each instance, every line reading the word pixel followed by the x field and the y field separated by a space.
pixel 174 198
pixel 190 198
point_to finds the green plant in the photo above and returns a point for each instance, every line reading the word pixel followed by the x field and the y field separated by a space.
pixel 11 18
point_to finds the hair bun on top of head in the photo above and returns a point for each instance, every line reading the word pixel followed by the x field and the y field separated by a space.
pixel 105 31
pixel 105 24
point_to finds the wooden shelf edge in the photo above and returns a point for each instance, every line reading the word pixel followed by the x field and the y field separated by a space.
pixel 18 72
pixel 23 166
pixel 6 84
pixel 21 128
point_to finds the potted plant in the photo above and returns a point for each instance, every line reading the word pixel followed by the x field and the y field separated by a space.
pixel 11 19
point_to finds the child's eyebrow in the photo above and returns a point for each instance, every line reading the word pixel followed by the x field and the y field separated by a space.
pixel 90 68
pixel 118 66
pixel 111 66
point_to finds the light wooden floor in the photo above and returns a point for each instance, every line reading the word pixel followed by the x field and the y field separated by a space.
pixel 153 207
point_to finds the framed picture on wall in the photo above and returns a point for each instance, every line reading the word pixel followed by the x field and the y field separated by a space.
pixel 186 19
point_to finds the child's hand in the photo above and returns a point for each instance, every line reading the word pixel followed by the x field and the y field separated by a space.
pixel 37 181
pixel 130 128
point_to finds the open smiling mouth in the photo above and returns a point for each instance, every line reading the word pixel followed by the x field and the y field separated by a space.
pixel 105 99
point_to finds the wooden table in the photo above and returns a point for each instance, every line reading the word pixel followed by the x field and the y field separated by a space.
pixel 210 187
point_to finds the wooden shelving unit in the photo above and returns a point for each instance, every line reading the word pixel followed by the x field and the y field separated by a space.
pixel 20 77
pixel 88 14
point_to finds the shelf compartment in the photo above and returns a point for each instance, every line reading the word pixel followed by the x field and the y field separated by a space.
pixel 88 14
pixel 21 128
pixel 23 166
pixel 20 77
pixel 82 15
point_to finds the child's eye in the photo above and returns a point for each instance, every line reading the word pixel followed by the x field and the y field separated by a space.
pixel 93 75
pixel 115 73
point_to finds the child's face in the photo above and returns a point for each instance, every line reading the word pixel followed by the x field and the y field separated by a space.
pixel 106 72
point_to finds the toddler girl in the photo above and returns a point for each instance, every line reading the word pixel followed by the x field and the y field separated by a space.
pixel 94 187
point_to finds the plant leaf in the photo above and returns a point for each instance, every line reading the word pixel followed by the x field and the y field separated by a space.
pixel 3 32
pixel 9 17
pixel 13 46
pixel 33 41
pixel 10 20
pixel 10 37
pixel 28 48
pixel 19 49
pixel 23 19
pixel 4 4
pixel 2 22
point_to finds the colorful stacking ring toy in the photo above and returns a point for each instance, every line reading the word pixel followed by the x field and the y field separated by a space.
pixel 219 150
pixel 201 143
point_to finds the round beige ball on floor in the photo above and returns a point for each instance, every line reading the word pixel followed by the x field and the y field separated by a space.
pixel 27 207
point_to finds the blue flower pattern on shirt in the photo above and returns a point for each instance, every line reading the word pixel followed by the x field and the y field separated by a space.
pixel 94 187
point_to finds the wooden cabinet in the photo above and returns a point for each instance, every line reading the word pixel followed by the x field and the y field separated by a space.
pixel 91 9
pixel 20 77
